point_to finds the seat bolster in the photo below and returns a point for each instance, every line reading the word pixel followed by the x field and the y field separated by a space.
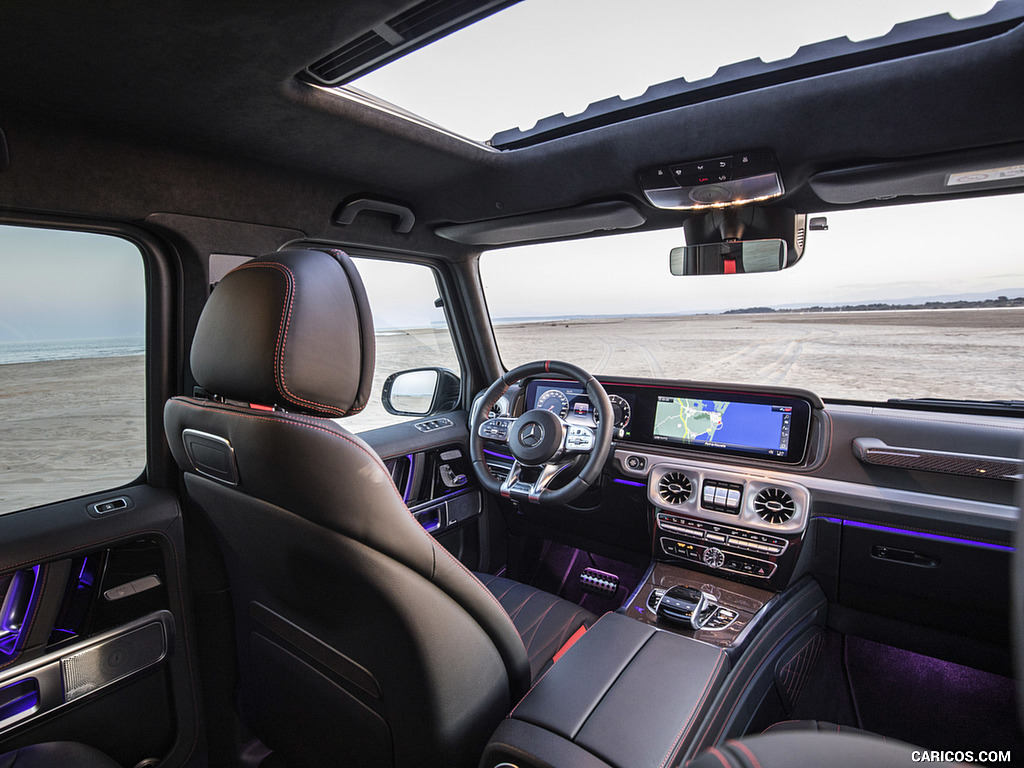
pixel 544 622
pixel 53 753
pixel 811 748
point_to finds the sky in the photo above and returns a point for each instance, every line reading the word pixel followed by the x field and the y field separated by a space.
pixel 69 285
pixel 544 57
pixel 898 254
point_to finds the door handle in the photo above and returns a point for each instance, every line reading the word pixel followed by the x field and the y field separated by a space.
pixel 18 700
pixel 15 609
pixel 904 556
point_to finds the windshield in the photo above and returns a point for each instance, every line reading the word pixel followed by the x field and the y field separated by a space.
pixel 910 301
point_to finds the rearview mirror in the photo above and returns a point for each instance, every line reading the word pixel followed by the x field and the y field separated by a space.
pixel 732 258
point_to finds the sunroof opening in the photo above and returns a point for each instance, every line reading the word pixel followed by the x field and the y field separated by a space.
pixel 539 58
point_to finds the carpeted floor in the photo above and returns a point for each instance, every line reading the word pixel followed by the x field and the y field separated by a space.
pixel 923 701
pixel 556 568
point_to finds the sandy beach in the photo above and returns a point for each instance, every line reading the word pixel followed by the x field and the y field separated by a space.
pixel 76 426
pixel 70 427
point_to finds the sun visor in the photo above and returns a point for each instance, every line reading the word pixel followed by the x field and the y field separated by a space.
pixel 546 225
pixel 949 174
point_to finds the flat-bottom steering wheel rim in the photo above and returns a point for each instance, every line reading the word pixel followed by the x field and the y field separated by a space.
pixel 590 473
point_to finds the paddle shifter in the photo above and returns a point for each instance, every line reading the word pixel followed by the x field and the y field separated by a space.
pixel 687 606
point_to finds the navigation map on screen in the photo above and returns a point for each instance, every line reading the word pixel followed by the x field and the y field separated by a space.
pixel 720 423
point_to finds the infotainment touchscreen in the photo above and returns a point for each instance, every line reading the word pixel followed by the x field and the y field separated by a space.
pixel 749 427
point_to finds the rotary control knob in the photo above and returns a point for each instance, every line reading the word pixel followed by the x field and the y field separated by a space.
pixel 714 557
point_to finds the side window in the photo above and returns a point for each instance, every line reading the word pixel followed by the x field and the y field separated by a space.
pixel 72 365
pixel 411 330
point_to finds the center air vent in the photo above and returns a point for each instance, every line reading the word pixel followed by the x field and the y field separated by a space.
pixel 674 488
pixel 774 506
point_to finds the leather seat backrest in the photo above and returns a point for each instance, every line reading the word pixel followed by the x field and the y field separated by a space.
pixel 337 589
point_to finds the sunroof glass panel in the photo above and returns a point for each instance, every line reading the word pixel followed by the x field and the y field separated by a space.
pixel 544 57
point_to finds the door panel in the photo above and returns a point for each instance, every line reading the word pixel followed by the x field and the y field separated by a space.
pixel 433 472
pixel 94 645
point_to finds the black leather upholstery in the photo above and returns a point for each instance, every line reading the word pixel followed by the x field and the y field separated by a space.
pixel 66 754
pixel 544 622
pixel 626 695
pixel 819 726
pixel 808 749
pixel 360 638
pixel 292 329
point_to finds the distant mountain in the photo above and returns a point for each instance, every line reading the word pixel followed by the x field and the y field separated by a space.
pixel 948 303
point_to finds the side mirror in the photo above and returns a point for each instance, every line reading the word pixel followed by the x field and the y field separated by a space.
pixel 731 258
pixel 420 392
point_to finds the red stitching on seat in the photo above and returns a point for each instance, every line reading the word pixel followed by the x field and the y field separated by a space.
pixel 282 338
pixel 780 722
pixel 536 624
pixel 300 421
pixel 745 750
pixel 721 758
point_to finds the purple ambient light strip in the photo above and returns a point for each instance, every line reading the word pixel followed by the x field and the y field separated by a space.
pixel 932 536
pixel 408 483
pixel 629 482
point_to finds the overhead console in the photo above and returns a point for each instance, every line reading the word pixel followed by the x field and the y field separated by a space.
pixel 713 182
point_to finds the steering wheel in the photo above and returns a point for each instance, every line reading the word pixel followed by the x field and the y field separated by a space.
pixel 542 444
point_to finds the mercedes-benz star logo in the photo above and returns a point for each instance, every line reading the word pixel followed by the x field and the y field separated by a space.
pixel 531 435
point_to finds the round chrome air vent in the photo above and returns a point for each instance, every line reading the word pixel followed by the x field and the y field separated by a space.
pixel 774 505
pixel 500 408
pixel 674 488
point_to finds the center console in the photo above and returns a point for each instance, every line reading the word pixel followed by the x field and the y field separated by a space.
pixel 620 672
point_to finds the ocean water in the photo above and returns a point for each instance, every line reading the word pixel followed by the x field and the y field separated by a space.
pixel 69 349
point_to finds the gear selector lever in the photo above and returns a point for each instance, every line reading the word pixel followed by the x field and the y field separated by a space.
pixel 687 606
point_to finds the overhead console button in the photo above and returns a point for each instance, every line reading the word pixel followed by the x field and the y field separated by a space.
pixel 716 181
pixel 657 178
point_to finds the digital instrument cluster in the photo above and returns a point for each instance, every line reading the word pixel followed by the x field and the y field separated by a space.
pixel 768 426
pixel 570 402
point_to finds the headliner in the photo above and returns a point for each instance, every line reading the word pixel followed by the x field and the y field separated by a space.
pixel 120 111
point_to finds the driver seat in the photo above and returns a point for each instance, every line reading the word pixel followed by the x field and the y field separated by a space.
pixel 360 638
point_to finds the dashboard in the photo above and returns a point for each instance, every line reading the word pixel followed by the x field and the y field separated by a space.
pixel 718 498
pixel 707 469
pixel 772 427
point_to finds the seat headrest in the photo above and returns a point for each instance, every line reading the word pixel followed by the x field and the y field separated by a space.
pixel 292 329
